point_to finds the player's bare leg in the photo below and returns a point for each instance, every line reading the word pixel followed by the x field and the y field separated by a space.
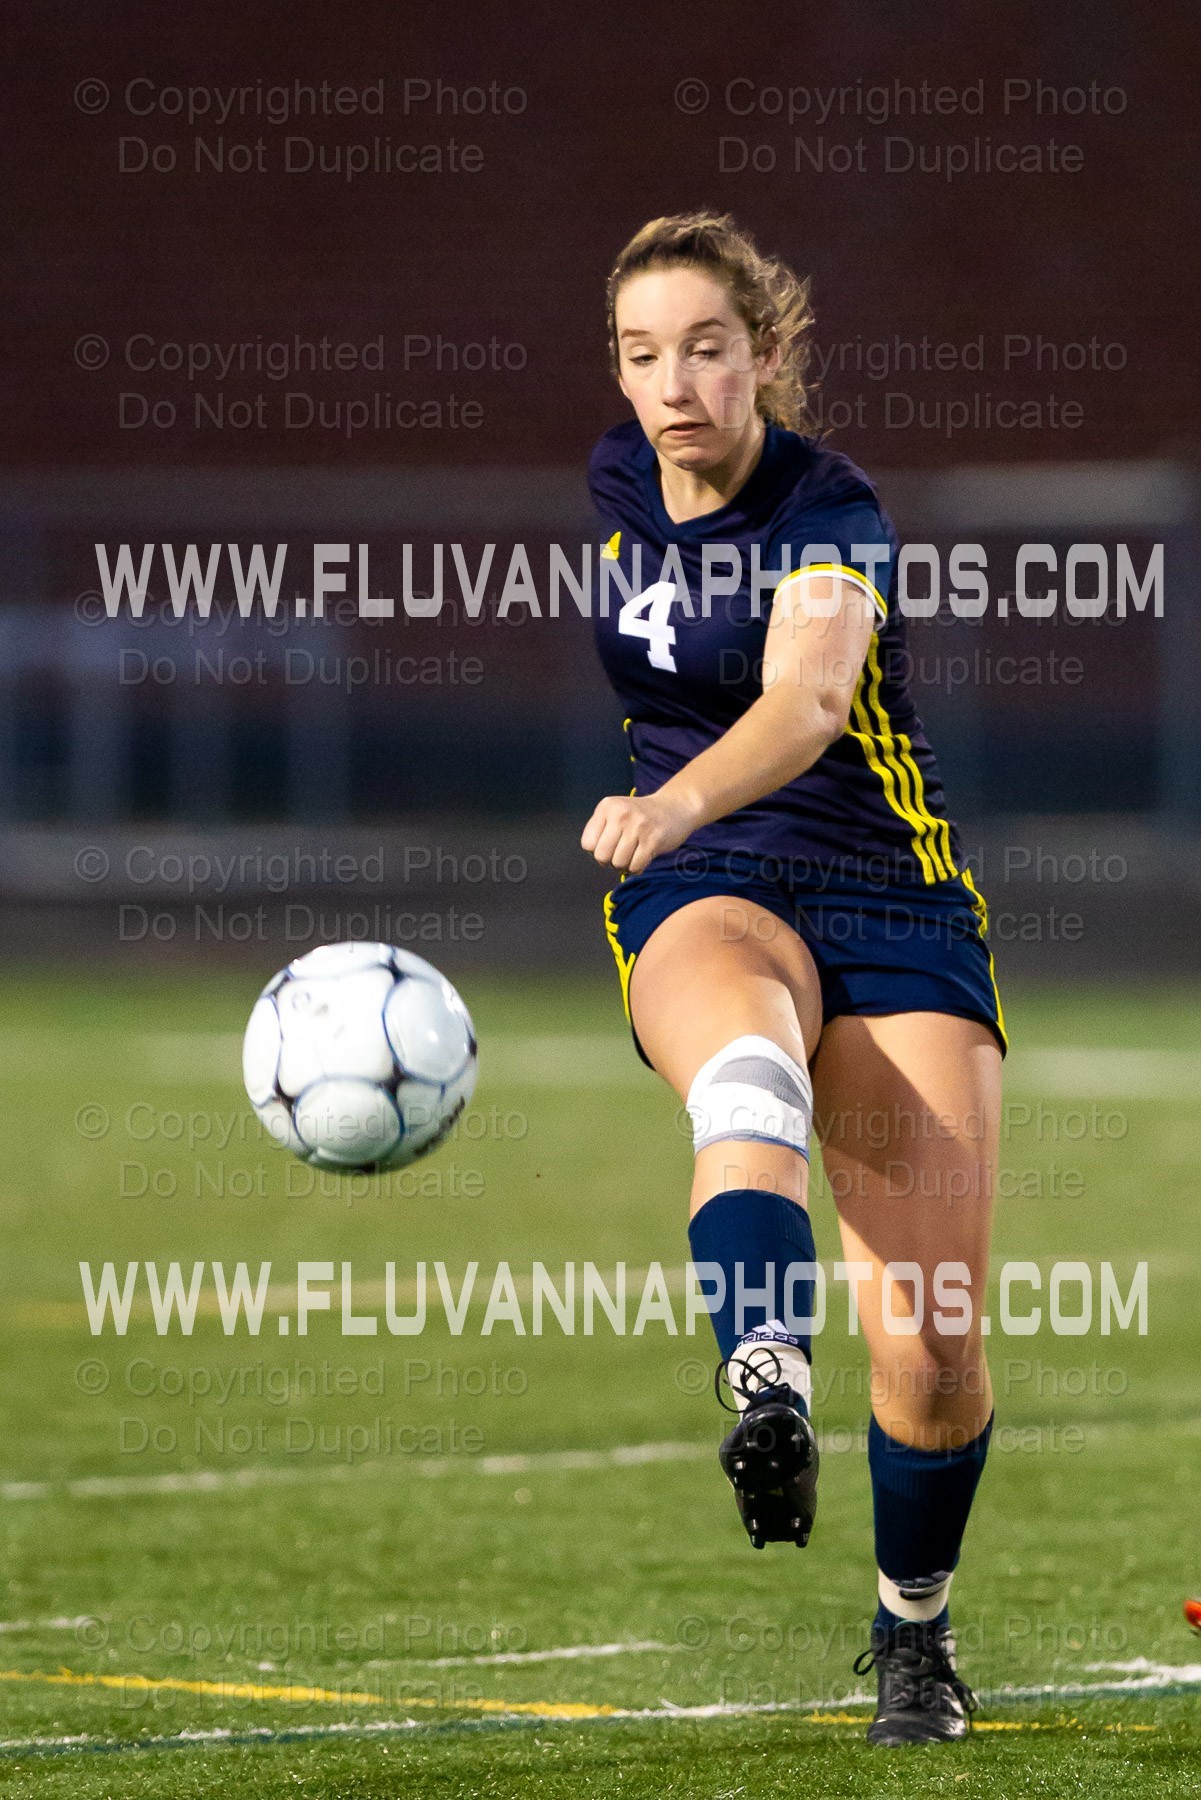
pixel 908 1110
pixel 925 1196
pixel 726 1003
pixel 720 969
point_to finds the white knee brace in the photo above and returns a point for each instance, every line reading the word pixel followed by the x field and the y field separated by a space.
pixel 751 1090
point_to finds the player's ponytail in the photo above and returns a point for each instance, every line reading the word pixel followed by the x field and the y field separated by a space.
pixel 773 302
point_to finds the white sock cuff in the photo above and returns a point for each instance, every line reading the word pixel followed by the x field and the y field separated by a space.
pixel 908 1603
pixel 774 1363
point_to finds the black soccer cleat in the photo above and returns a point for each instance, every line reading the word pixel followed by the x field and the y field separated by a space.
pixel 920 1699
pixel 771 1459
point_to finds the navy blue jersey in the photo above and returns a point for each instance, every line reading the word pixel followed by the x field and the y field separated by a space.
pixel 685 671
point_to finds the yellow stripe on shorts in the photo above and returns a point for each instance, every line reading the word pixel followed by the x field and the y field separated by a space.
pixel 980 908
pixel 625 960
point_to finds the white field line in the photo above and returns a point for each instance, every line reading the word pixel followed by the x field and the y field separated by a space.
pixel 495 1659
pixel 824 1711
pixel 1150 1677
pixel 214 1481
pixel 1186 1675
pixel 44 1624
pixel 1069 1072
pixel 1167 1675
pixel 219 1481
pixel 1147 1676
pixel 218 1734
pixel 601 1059
pixel 266 1734
pixel 1139 1665
pixel 567 1060
pixel 534 1462
pixel 563 1060
pixel 565 1653
pixel 584 1060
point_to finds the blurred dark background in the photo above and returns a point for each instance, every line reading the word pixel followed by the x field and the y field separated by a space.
pixel 308 276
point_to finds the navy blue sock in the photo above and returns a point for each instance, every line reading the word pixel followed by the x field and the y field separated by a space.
pixel 921 1500
pixel 755 1239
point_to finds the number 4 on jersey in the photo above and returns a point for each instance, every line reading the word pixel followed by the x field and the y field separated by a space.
pixel 655 603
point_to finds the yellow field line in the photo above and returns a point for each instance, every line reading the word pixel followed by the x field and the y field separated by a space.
pixel 301 1696
pixel 845 1718
pixel 538 1709
pixel 1054 1725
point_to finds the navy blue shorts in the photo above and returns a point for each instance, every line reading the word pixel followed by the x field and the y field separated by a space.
pixel 880 948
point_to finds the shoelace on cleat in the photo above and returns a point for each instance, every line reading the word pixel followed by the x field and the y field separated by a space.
pixel 931 1651
pixel 757 1380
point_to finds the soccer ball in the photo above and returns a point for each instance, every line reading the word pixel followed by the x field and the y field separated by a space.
pixel 359 1057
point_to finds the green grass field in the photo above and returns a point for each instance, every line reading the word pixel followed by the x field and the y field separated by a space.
pixel 283 1565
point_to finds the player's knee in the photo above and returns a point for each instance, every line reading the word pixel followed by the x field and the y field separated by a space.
pixel 930 1373
pixel 751 1092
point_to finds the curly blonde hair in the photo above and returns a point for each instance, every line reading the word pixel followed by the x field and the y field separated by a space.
pixel 772 302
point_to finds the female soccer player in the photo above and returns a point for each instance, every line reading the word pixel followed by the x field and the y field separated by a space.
pixel 794 920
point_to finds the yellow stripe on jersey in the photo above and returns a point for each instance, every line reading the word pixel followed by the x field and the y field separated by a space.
pixel 609 551
pixel 862 732
pixel 890 755
pixel 980 908
pixel 625 962
pixel 938 831
pixel 846 574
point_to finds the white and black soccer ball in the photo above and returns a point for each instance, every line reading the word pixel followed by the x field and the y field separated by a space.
pixel 359 1057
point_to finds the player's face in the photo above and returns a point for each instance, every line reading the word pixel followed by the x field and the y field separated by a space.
pixel 687 365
